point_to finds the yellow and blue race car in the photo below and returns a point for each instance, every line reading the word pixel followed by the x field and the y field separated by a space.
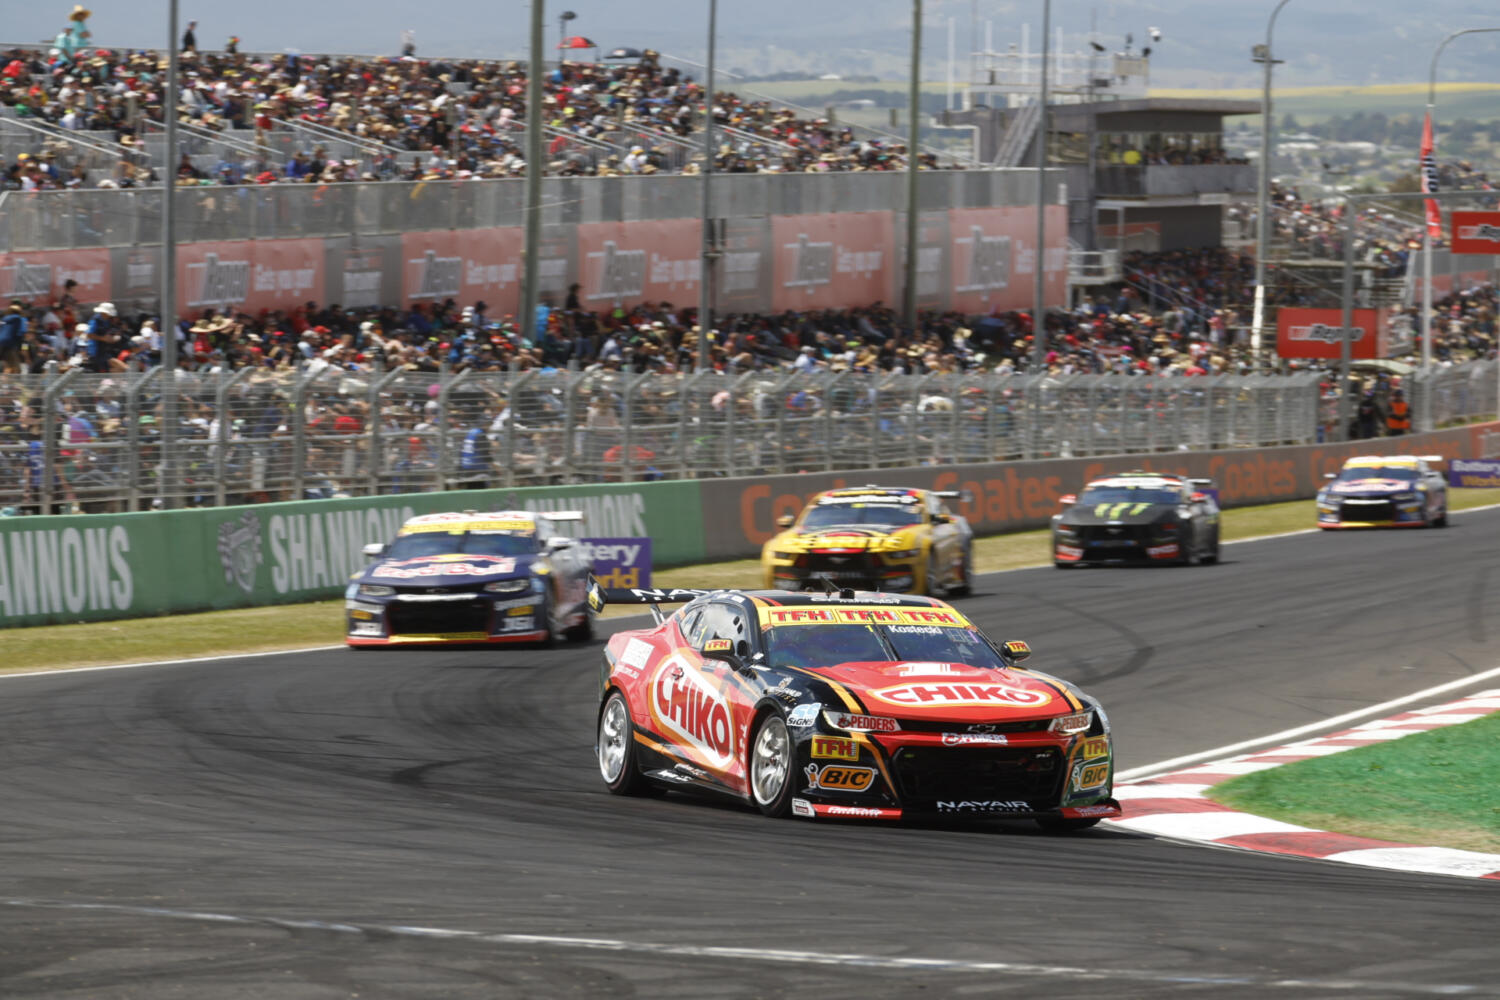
pixel 873 538
pixel 1379 491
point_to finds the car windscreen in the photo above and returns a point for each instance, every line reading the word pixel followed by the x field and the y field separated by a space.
pixel 1403 473
pixel 469 543
pixel 1126 494
pixel 881 515
pixel 824 645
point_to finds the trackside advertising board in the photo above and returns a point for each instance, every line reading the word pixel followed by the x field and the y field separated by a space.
pixel 1474 472
pixel 93 567
pixel 1318 333
pixel 1476 233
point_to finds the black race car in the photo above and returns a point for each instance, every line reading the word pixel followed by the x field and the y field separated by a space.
pixel 1138 517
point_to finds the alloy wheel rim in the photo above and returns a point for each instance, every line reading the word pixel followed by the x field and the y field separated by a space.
pixel 613 730
pixel 770 763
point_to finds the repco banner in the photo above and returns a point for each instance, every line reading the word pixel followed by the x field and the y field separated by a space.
pixel 248 275
pixel 1476 233
pixel 739 515
pixel 43 275
pixel 1319 333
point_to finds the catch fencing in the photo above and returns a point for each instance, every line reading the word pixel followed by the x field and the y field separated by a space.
pixel 94 442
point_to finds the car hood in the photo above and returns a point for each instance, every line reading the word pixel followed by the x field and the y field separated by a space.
pixel 1114 513
pixel 913 690
pixel 1373 485
pixel 447 570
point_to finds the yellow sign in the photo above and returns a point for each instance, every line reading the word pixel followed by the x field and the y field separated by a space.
pixel 1095 746
pixel 834 748
pixel 717 646
pixel 842 615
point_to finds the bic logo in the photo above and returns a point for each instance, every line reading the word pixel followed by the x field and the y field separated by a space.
pixel 837 778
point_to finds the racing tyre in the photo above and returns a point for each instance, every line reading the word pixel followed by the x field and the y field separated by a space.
pixel 965 584
pixel 1441 521
pixel 614 746
pixel 771 765
pixel 1212 555
pixel 1057 824
pixel 583 632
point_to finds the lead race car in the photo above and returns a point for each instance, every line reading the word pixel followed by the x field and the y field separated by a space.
pixel 845 705
pixel 472 577
pixel 1137 517
pixel 1394 491
pixel 874 538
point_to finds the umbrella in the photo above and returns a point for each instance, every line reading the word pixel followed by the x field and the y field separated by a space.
pixel 1383 365
pixel 624 53
pixel 576 42
pixel 637 453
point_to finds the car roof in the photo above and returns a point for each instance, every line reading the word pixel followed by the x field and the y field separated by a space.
pixel 1138 480
pixel 1376 461
pixel 809 599
pixel 471 520
pixel 886 494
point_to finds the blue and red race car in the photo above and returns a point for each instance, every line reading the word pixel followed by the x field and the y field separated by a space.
pixel 1385 491
pixel 472 577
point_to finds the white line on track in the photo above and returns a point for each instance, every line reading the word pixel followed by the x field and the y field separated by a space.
pixel 774 955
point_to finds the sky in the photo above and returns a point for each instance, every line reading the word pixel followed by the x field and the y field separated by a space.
pixel 1204 44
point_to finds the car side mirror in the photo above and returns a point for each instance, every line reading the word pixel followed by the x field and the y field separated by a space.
pixel 373 550
pixel 727 651
pixel 1067 499
pixel 1016 649
pixel 784 521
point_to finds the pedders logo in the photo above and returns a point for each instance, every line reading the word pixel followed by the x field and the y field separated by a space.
pixel 217 282
pixel 812 263
pixel 616 274
pixel 436 277
pixel 988 260
pixel 919 695
pixel 686 705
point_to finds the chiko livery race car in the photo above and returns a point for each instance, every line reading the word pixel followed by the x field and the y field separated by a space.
pixel 873 538
pixel 1137 517
pixel 1396 491
pixel 845 705
pixel 469 577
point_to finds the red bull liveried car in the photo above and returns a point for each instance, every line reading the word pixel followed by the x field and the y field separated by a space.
pixel 1385 491
pixel 845 705
pixel 472 577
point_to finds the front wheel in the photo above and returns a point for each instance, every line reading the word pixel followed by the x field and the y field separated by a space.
pixel 1212 555
pixel 771 766
pixel 1441 521
pixel 583 632
pixel 614 746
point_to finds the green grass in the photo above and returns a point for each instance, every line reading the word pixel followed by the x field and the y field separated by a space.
pixel 298 626
pixel 1434 788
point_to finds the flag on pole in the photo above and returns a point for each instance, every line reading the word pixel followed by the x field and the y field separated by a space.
pixel 1430 178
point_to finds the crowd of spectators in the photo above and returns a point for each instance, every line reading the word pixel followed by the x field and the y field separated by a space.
pixel 462 117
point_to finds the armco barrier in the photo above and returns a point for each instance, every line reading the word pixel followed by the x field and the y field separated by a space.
pixel 739 515
pixel 94 567
pixel 101 566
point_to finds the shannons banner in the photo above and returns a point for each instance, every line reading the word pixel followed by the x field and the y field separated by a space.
pixel 99 566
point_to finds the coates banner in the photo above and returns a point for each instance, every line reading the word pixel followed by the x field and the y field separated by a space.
pixel 620 562
pixel 993 258
pixel 1476 232
pixel 42 275
pixel 832 261
pixel 249 276
pixel 623 263
pixel 466 265
pixel 1317 333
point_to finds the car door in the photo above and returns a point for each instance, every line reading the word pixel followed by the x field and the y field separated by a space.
pixel 1435 494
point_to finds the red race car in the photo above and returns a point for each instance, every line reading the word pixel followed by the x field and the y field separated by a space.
pixel 845 705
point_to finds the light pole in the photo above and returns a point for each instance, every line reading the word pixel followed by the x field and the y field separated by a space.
pixel 914 113
pixel 1262 54
pixel 1425 417
pixel 562 30
pixel 167 486
pixel 710 245
pixel 1039 304
pixel 530 294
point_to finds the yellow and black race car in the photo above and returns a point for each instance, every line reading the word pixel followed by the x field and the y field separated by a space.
pixel 873 538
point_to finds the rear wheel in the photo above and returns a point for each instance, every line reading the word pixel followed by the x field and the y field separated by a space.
pixel 1441 521
pixel 1057 824
pixel 770 766
pixel 965 583
pixel 1212 555
pixel 614 746
pixel 583 632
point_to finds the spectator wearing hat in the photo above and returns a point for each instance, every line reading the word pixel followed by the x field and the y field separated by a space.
pixel 12 336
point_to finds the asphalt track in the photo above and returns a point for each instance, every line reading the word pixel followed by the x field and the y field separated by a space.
pixel 431 824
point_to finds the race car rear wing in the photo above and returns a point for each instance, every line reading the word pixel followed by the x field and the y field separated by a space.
pixel 561 515
pixel 962 496
pixel 599 596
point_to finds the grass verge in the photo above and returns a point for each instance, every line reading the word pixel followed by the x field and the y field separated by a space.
pixel 298 626
pixel 1436 788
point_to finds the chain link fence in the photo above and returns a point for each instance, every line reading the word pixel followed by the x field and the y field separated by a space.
pixel 250 436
